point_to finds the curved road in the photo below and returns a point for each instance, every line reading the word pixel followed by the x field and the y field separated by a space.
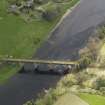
pixel 63 43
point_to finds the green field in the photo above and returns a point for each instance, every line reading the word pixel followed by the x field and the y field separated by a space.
pixel 18 38
pixel 93 99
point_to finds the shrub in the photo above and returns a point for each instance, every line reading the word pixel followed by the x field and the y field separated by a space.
pixel 89 52
pixel 89 83
pixel 50 97
pixel 30 103
pixel 101 33
pixel 84 62
pixel 81 77
pixel 36 41
pixel 51 11
pixel 102 90
pixel 46 100
pixel 69 80
pixel 59 91
pixel 99 83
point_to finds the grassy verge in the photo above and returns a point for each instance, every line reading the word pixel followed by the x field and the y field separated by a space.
pixel 19 39
pixel 92 99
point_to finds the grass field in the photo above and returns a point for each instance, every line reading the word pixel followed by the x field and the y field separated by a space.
pixel 17 38
pixel 93 99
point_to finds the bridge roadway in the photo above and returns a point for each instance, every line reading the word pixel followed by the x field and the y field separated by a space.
pixel 11 60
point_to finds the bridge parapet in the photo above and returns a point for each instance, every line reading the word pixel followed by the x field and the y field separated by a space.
pixel 12 60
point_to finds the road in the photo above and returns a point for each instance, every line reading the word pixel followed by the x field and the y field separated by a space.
pixel 63 43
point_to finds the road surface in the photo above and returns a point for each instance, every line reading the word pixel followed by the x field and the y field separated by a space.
pixel 63 43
